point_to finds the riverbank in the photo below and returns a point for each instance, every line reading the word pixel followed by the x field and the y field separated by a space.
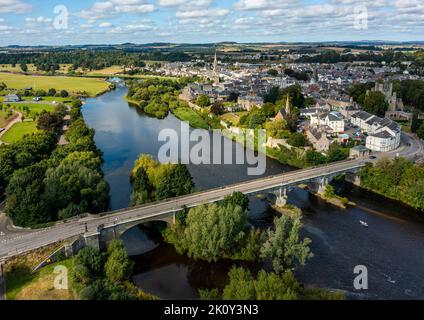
pixel 339 242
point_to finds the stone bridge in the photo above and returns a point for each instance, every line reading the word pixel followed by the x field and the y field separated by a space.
pixel 99 230
pixel 316 183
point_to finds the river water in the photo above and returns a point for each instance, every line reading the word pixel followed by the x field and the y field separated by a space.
pixel 391 248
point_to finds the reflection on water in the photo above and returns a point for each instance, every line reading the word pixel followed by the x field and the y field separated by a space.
pixel 391 248
pixel 123 133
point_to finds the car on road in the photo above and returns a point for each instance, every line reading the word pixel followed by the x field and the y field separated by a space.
pixel 373 157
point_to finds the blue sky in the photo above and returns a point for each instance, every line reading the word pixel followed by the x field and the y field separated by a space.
pixel 30 22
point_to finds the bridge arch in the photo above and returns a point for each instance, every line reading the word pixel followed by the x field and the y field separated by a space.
pixel 117 230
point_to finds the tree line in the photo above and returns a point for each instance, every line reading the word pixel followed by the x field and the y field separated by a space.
pixel 89 59
pixel 398 179
pixel 44 182
pixel 156 96
pixel 332 56
pixel 105 275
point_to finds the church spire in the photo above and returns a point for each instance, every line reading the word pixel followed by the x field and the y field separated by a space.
pixel 288 111
pixel 215 63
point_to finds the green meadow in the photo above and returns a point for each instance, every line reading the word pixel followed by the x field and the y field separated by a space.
pixel 92 86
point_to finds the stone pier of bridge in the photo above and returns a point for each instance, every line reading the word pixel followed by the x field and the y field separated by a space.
pixel 316 185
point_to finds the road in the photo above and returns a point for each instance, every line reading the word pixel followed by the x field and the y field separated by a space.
pixel 11 124
pixel 16 242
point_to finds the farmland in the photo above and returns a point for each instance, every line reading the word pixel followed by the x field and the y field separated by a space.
pixel 91 86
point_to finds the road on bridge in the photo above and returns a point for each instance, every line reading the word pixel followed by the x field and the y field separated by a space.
pixel 12 244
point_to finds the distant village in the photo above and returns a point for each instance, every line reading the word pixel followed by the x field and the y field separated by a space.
pixel 333 117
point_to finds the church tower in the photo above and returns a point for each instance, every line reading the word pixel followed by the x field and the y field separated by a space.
pixel 215 69
pixel 288 111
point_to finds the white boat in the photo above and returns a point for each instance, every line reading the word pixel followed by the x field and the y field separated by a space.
pixel 363 223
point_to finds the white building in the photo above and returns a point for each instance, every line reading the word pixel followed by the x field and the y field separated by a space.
pixel 383 134
pixel 333 120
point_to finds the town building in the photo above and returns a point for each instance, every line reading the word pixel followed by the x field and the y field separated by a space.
pixel 250 101
pixel 319 138
pixel 396 108
pixel 284 113
pixel 359 152
pixel 12 98
pixel 383 133
pixel 333 120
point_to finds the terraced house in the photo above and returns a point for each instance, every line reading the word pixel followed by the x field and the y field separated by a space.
pixel 383 133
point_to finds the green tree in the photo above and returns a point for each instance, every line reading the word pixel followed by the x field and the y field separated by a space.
pixel 90 264
pixel 241 285
pixel 51 92
pixel 237 199
pixel 24 197
pixel 64 93
pixel 257 118
pixel 337 153
pixel 50 122
pixel 267 286
pixel 178 183
pixel 203 101
pixel 212 232
pixel 297 139
pixel 24 67
pixel 314 158
pixel 277 129
pixel 420 131
pixel 284 247
pixel 77 183
pixel 141 187
pixel 118 266
pixel 273 72
pixel 375 103
pixel 272 95
pixel 218 108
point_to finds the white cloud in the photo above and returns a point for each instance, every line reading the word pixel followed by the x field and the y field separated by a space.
pixel 253 4
pixel 143 8
pixel 40 20
pixel 105 25
pixel 132 28
pixel 185 3
pixel 14 6
pixel 102 10
pixel 193 14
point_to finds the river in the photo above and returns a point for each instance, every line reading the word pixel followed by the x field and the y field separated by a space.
pixel 391 248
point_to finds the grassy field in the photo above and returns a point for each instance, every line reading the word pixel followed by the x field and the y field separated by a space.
pixel 18 131
pixel 72 84
pixel 231 117
pixel 21 284
pixel 35 108
pixel 3 119
pixel 50 99
pixel 16 68
pixel 107 71
pixel 63 68
pixel 189 115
